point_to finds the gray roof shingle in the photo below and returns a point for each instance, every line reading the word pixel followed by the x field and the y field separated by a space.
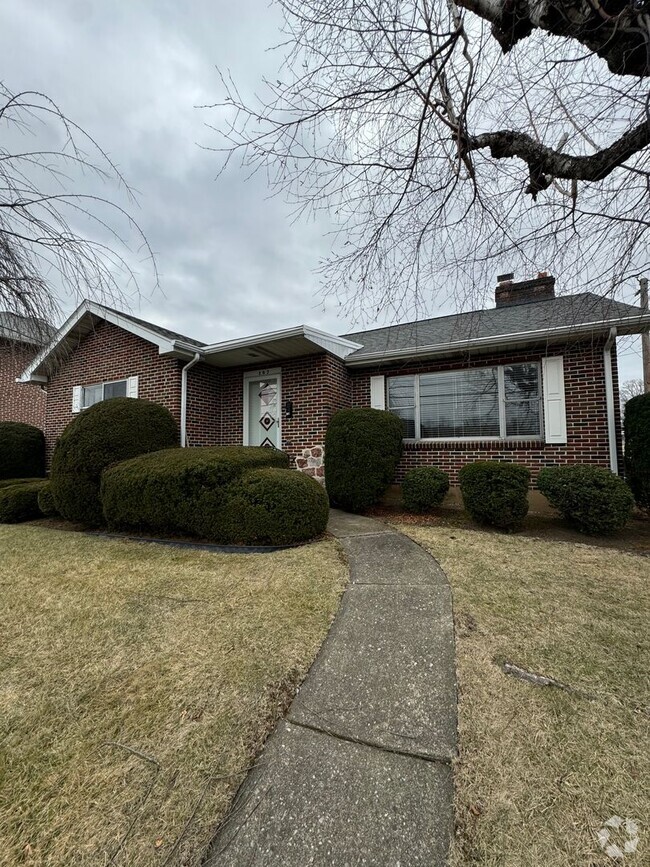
pixel 23 329
pixel 567 310
pixel 164 332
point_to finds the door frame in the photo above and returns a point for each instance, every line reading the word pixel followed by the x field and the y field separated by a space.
pixel 250 376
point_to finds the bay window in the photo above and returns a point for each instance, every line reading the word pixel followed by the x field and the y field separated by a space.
pixel 481 403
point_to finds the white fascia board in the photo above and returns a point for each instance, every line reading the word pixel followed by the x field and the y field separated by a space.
pixel 331 342
pixel 165 345
pixel 641 322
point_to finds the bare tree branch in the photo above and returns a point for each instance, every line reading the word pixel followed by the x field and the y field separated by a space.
pixel 58 233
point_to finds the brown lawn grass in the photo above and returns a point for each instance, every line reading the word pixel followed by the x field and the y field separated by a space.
pixel 541 769
pixel 136 685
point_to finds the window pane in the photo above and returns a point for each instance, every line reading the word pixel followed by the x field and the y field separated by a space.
pixel 521 381
pixel 460 403
pixel 522 418
pixel 115 389
pixel 91 394
pixel 401 401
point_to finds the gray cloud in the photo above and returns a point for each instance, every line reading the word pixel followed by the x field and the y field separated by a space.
pixel 231 261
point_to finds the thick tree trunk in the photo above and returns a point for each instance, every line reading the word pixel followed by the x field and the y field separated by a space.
pixel 616 30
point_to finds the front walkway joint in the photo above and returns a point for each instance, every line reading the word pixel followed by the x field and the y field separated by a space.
pixel 359 773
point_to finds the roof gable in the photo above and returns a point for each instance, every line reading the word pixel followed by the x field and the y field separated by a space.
pixel 83 321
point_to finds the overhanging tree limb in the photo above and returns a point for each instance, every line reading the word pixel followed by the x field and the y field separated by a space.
pixel 615 30
pixel 545 163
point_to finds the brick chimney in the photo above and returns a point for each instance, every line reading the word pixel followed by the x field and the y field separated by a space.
pixel 508 293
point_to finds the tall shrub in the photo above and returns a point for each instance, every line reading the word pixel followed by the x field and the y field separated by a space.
pixel 362 449
pixel 592 498
pixel 22 451
pixel 637 447
pixel 495 492
pixel 107 432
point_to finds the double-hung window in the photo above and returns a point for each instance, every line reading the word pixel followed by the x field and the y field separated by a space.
pixel 91 394
pixel 482 403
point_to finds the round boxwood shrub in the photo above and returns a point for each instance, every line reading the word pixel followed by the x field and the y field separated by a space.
pixel 46 500
pixel 424 488
pixel 495 493
pixel 637 447
pixel 22 451
pixel 362 450
pixel 592 498
pixel 20 502
pixel 274 507
pixel 179 491
pixel 107 432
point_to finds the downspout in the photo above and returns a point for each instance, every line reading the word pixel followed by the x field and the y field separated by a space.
pixel 609 398
pixel 197 358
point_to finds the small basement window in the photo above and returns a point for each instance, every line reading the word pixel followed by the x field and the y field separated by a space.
pixel 91 394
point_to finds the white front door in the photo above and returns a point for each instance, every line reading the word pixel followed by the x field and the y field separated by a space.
pixel 263 416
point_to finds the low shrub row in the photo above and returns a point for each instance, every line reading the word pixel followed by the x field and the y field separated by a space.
pixel 495 493
pixel 230 495
pixel 19 502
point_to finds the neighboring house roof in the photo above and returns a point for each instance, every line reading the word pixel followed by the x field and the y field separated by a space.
pixel 24 329
pixel 555 318
pixel 84 320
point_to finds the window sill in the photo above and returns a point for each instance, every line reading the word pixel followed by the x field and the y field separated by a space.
pixel 487 444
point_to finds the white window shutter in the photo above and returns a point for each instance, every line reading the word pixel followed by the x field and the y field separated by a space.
pixel 132 386
pixel 377 392
pixel 554 400
pixel 76 398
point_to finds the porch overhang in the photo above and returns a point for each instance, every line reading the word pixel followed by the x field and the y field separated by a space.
pixel 276 346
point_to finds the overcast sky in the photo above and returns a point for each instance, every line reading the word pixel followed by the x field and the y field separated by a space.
pixel 231 261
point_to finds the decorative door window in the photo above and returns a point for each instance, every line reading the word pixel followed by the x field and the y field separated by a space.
pixel 264 412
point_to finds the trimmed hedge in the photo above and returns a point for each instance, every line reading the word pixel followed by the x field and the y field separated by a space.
pixel 273 507
pixel 495 493
pixel 22 451
pixel 592 498
pixel 180 491
pixel 46 501
pixel 362 449
pixel 636 425
pixel 424 488
pixel 20 502
pixel 110 431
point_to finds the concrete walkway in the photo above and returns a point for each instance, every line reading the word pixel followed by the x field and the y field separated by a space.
pixel 359 773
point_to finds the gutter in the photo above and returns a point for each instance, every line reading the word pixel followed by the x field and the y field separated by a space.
pixel 190 364
pixel 609 400
pixel 499 340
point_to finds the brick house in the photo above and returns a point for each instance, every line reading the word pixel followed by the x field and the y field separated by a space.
pixel 20 338
pixel 531 380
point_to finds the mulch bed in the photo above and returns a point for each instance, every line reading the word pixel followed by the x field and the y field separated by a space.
pixel 635 538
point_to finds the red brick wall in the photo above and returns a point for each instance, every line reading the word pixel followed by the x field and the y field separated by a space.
pixel 19 401
pixel 587 438
pixel 110 353
pixel 203 405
